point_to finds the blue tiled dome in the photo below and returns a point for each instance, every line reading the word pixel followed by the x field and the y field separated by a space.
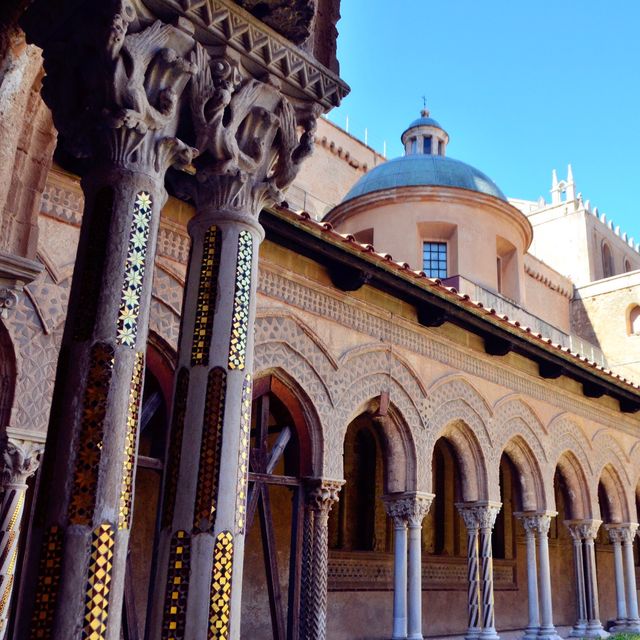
pixel 423 121
pixel 424 170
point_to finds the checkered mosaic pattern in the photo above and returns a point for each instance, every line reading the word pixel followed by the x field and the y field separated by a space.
pixel 96 603
pixel 219 613
pixel 243 454
pixel 47 586
pixel 175 603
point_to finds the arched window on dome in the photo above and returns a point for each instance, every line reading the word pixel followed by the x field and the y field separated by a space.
pixel 627 265
pixel 633 321
pixel 426 145
pixel 607 261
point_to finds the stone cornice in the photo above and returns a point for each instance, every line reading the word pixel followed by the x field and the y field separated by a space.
pixel 18 269
pixel 222 22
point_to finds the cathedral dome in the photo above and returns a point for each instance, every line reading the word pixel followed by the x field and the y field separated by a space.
pixel 424 170
pixel 424 164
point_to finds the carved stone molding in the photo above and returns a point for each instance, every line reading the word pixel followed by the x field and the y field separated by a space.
pixel 15 273
pixel 583 529
pixel 20 460
pixel 479 515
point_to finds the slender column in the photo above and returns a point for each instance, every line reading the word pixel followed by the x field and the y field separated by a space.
pixel 629 531
pixel 396 512
pixel 21 460
pixel 529 525
pixel 587 530
pixel 615 536
pixel 547 628
pixel 479 518
pixel 248 133
pixel 322 496
pixel 306 579
pixel 114 85
pixel 418 507
pixel 580 625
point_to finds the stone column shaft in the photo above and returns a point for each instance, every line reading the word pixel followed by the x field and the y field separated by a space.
pixel 615 536
pixel 588 623
pixel 533 625
pixel 400 581
pixel 479 518
pixel 547 628
pixel 21 460
pixel 626 533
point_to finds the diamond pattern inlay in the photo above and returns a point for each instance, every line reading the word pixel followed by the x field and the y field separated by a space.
pixel 134 270
pixel 221 587
pixel 175 601
pixel 128 466
pixel 210 450
pixel 241 302
pixel 96 603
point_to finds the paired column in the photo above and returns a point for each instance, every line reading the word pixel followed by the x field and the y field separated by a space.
pixel 536 526
pixel 115 99
pixel 247 131
pixel 622 537
pixel 21 460
pixel 479 519
pixel 588 623
pixel 408 510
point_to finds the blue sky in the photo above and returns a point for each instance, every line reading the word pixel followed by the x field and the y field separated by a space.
pixel 521 87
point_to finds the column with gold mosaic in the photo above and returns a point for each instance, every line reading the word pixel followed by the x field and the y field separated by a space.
pixel 84 507
pixel 247 158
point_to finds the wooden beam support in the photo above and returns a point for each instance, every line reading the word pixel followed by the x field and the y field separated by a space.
pixel 550 370
pixel 348 278
pixel 496 346
pixel 430 315
pixel 592 390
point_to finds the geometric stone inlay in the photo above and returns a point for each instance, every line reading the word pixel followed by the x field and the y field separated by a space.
pixel 207 290
pixel 241 302
pixel 221 587
pixel 175 445
pixel 175 601
pixel 243 454
pixel 128 464
pixel 47 586
pixel 210 450
pixel 96 604
pixel 134 270
pixel 89 449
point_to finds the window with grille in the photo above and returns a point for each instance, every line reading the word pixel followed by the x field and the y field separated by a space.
pixel 434 259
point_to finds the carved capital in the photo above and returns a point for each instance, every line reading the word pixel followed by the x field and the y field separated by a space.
pixel 114 81
pixel 622 533
pixel 583 529
pixel 247 131
pixel 20 459
pixel 322 493
pixel 479 515
pixel 408 508
pixel 536 523
pixel 8 301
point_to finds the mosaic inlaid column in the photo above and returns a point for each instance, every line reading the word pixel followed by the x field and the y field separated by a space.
pixel 580 625
pixel 322 495
pixel 247 133
pixel 530 528
pixel 20 460
pixel 113 84
pixel 615 536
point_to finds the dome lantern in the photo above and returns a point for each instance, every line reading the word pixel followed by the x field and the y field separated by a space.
pixel 425 136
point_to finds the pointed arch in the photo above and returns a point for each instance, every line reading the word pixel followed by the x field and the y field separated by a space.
pixel 573 473
pixel 7 376
pixel 617 508
pixel 536 496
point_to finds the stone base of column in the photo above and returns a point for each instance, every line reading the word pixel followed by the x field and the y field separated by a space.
pixel 578 631
pixel 418 636
pixel 472 634
pixel 632 626
pixel 530 633
pixel 548 633
pixel 489 634
pixel 595 630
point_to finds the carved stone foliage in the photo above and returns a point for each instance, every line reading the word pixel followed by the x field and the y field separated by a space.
pixel 536 523
pixel 112 74
pixel 583 529
pixel 291 18
pixel 246 131
pixel 20 460
pixel 408 508
pixel 479 515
